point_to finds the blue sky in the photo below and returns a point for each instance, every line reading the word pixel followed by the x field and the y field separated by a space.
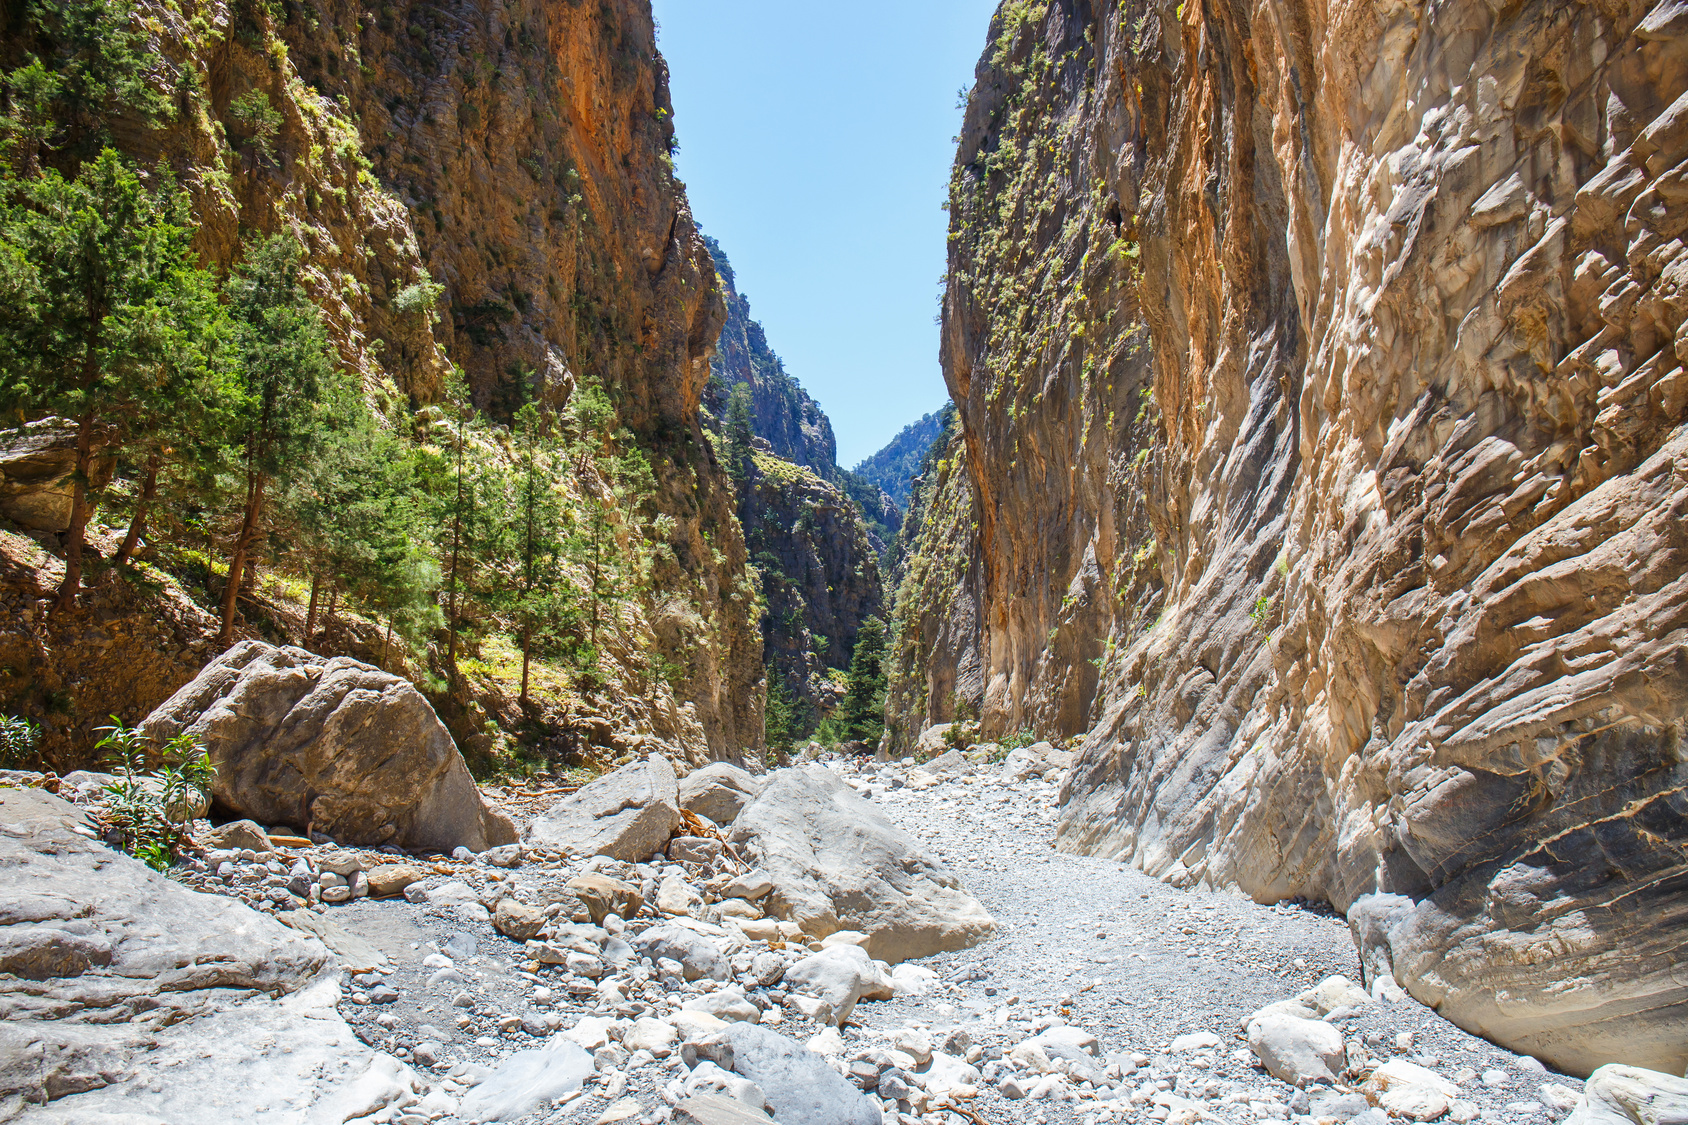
pixel 815 142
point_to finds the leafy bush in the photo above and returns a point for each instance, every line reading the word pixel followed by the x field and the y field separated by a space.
pixel 18 739
pixel 148 811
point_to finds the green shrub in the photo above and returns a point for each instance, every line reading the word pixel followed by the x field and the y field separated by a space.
pixel 18 740
pixel 148 811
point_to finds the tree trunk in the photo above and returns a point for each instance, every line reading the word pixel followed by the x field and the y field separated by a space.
pixel 72 583
pixel 310 614
pixel 138 523
pixel 456 545
pixel 237 561
pixel 522 698
pixel 386 638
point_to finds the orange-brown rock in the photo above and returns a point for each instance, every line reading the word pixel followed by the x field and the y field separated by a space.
pixel 1382 586
pixel 491 188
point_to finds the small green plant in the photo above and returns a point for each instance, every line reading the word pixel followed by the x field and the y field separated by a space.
pixel 1262 611
pixel 148 812
pixel 18 740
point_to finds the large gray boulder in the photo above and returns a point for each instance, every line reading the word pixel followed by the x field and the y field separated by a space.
pixel 626 815
pixel 118 976
pixel 718 791
pixel 836 863
pixel 332 745
pixel 1629 1095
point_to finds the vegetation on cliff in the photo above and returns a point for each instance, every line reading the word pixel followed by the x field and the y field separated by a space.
pixel 546 543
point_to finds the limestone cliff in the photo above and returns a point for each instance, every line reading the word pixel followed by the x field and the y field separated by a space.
pixel 782 412
pixel 489 187
pixel 820 578
pixel 1322 454
pixel 813 531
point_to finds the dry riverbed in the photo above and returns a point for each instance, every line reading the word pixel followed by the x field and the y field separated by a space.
pixel 1161 978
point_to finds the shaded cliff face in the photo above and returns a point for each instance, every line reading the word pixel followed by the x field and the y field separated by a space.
pixel 518 157
pixel 1385 579
pixel 820 578
pixel 781 410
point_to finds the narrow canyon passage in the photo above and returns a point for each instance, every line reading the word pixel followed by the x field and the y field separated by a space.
pixel 1157 981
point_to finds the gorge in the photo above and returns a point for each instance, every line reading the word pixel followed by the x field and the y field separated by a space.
pixel 1308 526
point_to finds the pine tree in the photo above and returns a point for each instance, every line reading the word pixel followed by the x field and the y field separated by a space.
pixel 466 489
pixel 739 432
pixel 91 67
pixel 862 713
pixel 779 717
pixel 540 600
pixel 614 483
pixel 104 318
pixel 286 366
pixel 356 522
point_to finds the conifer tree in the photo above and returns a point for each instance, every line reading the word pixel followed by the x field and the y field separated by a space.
pixel 285 368
pixel 104 318
pixel 862 712
pixel 465 487
pixel 739 432
pixel 357 524
pixel 779 717
pixel 540 600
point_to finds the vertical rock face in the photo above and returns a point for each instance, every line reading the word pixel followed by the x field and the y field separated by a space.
pixel 490 187
pixel 820 576
pixel 1387 577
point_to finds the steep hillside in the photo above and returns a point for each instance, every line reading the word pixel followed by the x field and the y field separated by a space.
pixel 1321 457
pixel 895 467
pixel 781 410
pixel 814 532
pixel 820 579
pixel 490 188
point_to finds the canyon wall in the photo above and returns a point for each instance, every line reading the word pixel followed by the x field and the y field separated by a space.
pixel 810 528
pixel 488 186
pixel 1325 466
pixel 782 412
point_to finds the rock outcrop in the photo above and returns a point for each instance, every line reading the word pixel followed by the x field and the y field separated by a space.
pixel 1630 1095
pixel 331 746
pixel 495 191
pixel 837 864
pixel 112 977
pixel 37 464
pixel 1322 424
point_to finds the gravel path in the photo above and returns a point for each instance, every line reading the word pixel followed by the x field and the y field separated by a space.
pixel 1084 941
pixel 1137 963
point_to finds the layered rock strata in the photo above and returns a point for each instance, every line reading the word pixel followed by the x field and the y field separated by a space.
pixel 1362 560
